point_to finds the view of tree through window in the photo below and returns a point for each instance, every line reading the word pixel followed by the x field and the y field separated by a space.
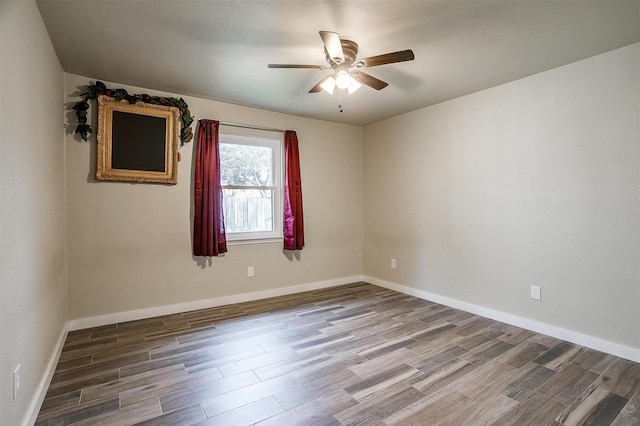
pixel 247 177
pixel 246 165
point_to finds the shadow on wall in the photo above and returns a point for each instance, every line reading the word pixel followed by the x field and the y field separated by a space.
pixel 291 255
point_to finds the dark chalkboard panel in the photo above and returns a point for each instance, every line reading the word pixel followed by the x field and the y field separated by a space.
pixel 138 142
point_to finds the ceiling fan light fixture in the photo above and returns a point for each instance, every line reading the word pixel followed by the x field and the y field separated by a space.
pixel 353 86
pixel 343 79
pixel 328 85
pixel 341 59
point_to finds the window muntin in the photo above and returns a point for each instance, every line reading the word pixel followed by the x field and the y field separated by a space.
pixel 251 184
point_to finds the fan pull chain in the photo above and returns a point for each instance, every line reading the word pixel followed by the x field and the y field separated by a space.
pixel 340 100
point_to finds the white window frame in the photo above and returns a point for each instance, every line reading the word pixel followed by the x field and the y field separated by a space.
pixel 277 187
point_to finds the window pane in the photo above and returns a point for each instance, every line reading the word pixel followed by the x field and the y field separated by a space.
pixel 248 210
pixel 246 165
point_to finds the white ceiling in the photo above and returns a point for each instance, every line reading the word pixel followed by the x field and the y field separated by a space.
pixel 220 49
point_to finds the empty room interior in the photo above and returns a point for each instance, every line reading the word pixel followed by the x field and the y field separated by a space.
pixel 313 212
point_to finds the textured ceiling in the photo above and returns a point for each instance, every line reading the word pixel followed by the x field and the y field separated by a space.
pixel 220 49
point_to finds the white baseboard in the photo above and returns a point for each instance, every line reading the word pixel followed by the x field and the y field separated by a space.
pixel 596 343
pixel 43 386
pixel 78 324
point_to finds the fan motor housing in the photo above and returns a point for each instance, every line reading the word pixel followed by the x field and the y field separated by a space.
pixel 349 49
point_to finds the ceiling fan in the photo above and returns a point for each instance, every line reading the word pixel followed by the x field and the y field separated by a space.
pixel 341 57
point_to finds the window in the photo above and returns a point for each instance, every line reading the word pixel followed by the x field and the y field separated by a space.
pixel 251 187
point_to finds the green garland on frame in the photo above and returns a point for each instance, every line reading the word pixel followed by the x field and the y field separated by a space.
pixel 94 90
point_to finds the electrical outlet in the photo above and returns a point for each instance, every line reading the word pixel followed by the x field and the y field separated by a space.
pixel 250 271
pixel 16 381
pixel 393 264
pixel 535 292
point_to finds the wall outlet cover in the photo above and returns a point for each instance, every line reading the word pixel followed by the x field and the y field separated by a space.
pixel 535 292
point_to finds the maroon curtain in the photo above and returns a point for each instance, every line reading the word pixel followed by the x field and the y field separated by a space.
pixel 293 221
pixel 208 222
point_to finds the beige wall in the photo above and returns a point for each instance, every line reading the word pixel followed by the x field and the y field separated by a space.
pixel 129 245
pixel 535 182
pixel 32 219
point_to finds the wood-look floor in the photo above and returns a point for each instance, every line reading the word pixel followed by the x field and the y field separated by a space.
pixel 350 355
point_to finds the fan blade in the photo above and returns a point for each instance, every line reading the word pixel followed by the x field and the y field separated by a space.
pixel 369 80
pixel 313 67
pixel 389 58
pixel 333 46
pixel 317 88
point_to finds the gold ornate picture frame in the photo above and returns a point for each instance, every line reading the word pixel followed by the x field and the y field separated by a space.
pixel 137 143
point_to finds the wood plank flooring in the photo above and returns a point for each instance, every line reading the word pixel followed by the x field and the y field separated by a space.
pixel 349 355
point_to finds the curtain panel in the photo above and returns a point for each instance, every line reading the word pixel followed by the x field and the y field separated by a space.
pixel 293 221
pixel 209 238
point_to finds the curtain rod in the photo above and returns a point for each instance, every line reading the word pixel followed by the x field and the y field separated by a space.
pixel 247 126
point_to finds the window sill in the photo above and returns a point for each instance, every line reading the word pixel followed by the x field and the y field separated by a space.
pixel 244 241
